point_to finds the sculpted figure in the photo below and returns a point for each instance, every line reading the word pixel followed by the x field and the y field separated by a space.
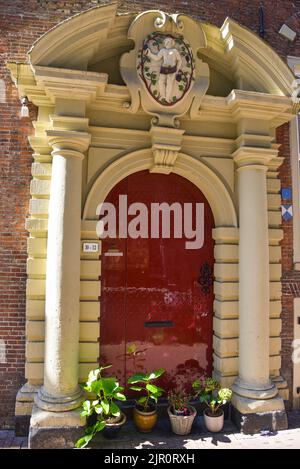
pixel 171 63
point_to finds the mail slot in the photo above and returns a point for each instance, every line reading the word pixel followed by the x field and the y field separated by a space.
pixel 159 324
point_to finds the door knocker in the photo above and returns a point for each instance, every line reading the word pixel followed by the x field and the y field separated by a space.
pixel 205 279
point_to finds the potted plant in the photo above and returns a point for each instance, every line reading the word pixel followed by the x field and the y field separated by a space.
pixel 145 412
pixel 181 412
pixel 210 392
pixel 102 413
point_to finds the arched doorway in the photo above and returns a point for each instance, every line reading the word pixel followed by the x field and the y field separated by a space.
pixel 157 294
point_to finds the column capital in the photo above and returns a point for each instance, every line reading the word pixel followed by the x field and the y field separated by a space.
pixel 68 140
pixel 248 156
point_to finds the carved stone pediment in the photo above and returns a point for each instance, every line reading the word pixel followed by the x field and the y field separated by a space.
pixel 163 72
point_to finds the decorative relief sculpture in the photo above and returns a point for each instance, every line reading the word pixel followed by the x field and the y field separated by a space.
pixel 166 66
pixel 166 77
pixel 164 72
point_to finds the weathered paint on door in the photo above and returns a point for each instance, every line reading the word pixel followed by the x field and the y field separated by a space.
pixel 156 295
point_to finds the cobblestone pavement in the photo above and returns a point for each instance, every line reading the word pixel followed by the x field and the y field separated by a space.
pixel 162 438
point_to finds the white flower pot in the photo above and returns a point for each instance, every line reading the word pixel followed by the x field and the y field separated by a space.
pixel 182 424
pixel 214 424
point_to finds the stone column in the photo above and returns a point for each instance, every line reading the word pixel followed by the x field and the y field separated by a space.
pixel 61 391
pixel 256 401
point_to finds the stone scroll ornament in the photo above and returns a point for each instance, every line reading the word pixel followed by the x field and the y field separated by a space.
pixel 163 72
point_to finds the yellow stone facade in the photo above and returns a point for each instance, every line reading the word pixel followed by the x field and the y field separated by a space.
pixel 84 113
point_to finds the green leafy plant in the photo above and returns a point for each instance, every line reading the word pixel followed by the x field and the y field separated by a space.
pixel 209 391
pixel 103 409
pixel 179 402
pixel 143 382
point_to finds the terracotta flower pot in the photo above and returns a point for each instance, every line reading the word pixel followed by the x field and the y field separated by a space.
pixel 144 421
pixel 214 424
pixel 111 430
pixel 182 424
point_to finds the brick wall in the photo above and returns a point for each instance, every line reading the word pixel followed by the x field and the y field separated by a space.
pixel 21 23
pixel 290 278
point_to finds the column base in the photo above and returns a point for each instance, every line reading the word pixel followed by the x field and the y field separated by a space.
pixel 254 415
pixel 51 403
pixel 254 423
pixel 59 430
pixel 23 408
pixel 282 387
pixel 22 424
pixel 261 391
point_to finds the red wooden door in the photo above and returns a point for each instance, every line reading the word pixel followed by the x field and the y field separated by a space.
pixel 156 295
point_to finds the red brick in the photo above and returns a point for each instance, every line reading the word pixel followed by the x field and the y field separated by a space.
pixel 21 23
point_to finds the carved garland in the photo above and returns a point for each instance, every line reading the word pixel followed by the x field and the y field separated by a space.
pixel 149 72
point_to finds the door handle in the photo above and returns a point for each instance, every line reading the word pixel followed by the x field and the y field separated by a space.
pixel 159 324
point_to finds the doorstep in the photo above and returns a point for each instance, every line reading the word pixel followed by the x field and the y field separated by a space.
pixel 129 435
